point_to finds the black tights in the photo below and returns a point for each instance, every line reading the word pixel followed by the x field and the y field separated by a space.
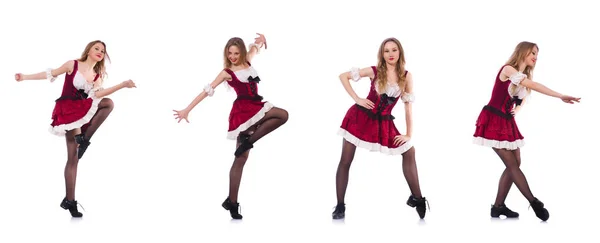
pixel 104 108
pixel 409 168
pixel 272 120
pixel 512 173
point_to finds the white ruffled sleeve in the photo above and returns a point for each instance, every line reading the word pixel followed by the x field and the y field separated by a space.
pixel 408 97
pixel 209 90
pixel 517 77
pixel 49 75
pixel 355 74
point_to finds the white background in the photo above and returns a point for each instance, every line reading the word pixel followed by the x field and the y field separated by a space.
pixel 145 177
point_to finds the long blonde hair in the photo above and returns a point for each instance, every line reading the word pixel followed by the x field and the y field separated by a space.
pixel 522 50
pixel 99 68
pixel 382 67
pixel 235 41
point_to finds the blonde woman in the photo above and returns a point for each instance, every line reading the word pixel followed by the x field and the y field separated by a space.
pixel 250 119
pixel 81 109
pixel 496 126
pixel 369 123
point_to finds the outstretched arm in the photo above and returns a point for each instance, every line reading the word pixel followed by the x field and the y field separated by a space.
pixel 50 73
pixel 101 92
pixel 518 78
pixel 254 48
pixel 208 90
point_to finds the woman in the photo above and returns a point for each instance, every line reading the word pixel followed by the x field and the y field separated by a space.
pixel 369 123
pixel 496 126
pixel 250 118
pixel 81 108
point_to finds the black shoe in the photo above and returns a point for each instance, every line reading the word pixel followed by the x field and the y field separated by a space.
pixel 419 204
pixel 503 210
pixel 233 208
pixel 72 207
pixel 244 146
pixel 83 144
pixel 339 212
pixel 540 211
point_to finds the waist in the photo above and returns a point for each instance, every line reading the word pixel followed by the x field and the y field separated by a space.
pixel 249 97
pixel 498 111
pixel 378 114
pixel 79 95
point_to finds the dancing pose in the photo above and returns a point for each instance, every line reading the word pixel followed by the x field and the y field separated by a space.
pixel 250 118
pixel 369 123
pixel 496 126
pixel 81 108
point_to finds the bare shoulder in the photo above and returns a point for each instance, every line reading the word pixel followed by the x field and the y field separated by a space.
pixel 506 72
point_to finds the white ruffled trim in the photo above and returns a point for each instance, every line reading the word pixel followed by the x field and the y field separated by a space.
pixel 209 90
pixel 374 147
pixel 250 122
pixel 60 130
pixel 355 74
pixel 517 77
pixel 408 97
pixel 257 47
pixel 49 75
pixel 499 144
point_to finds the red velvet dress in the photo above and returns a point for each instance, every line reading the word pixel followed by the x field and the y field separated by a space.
pixel 374 129
pixel 496 126
pixel 76 105
pixel 249 107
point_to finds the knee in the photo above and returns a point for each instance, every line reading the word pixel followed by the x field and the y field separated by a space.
pixel 284 116
pixel 107 103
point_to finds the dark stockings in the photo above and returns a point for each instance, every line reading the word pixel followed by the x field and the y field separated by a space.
pixel 409 167
pixel 343 170
pixel 273 119
pixel 512 173
pixel 105 107
pixel 71 167
pixel 506 181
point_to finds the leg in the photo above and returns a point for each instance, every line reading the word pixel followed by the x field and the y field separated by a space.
pixel 105 107
pixel 514 172
pixel 516 175
pixel 409 168
pixel 273 119
pixel 235 178
pixel 71 174
pixel 341 178
pixel 504 185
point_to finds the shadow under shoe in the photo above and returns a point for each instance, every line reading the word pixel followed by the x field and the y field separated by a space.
pixel 83 144
pixel 72 207
pixel 232 208
pixel 495 212
pixel 245 145
pixel 339 212
pixel 538 208
pixel 419 204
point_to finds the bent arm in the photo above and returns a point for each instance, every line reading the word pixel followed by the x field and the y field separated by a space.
pixel 355 74
pixel 101 92
pixel 208 90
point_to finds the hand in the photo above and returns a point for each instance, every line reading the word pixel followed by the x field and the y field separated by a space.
pixel 19 77
pixel 181 115
pixel 365 103
pixel 569 99
pixel 260 40
pixel 129 84
pixel 515 110
pixel 400 139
